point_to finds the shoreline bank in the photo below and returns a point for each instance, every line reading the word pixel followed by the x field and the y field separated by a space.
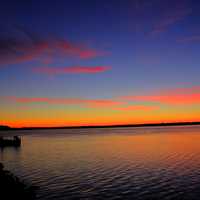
pixel 14 188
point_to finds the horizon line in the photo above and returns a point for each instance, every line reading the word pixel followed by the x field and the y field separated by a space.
pixel 186 123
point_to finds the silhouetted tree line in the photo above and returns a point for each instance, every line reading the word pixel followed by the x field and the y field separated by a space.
pixel 2 127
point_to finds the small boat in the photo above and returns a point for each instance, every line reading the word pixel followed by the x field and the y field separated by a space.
pixel 15 142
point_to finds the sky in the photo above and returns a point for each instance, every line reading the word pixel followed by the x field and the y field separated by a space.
pixel 99 62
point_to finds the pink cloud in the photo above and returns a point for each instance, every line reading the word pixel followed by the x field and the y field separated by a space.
pixel 66 101
pixel 16 51
pixel 71 70
pixel 89 103
pixel 103 103
pixel 88 54
pixel 79 50
pixel 138 108
pixel 183 90
pixel 177 96
pixel 22 50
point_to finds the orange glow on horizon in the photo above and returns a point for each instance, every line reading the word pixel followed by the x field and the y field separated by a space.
pixel 174 105
pixel 19 124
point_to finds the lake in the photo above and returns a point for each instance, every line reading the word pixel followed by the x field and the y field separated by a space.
pixel 108 163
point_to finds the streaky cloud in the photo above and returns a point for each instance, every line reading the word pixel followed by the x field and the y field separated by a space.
pixel 65 101
pixel 189 39
pixel 71 70
pixel 113 104
pixel 176 96
pixel 138 108
pixel 31 47
pixel 173 12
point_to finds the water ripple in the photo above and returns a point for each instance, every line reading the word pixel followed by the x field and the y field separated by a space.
pixel 130 163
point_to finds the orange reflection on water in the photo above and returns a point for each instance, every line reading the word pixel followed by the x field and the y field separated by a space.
pixel 149 147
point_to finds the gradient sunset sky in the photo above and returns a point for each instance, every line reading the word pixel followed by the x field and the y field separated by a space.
pixel 97 62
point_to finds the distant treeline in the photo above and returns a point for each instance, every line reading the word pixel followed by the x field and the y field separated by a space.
pixel 105 126
pixel 4 127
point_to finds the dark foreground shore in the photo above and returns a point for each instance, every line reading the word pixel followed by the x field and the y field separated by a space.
pixel 13 188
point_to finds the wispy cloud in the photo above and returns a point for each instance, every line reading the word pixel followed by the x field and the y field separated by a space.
pixel 137 108
pixel 172 13
pixel 177 96
pixel 71 70
pixel 117 105
pixel 17 51
pixel 73 49
pixel 188 39
pixel 31 47
pixel 66 101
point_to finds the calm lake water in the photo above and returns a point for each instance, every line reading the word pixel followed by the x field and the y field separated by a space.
pixel 115 163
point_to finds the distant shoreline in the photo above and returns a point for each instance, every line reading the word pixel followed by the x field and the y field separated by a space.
pixel 104 126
